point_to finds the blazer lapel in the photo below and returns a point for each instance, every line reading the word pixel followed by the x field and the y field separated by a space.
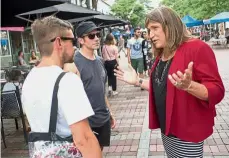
pixel 153 121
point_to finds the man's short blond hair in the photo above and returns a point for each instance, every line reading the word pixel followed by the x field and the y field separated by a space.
pixel 48 28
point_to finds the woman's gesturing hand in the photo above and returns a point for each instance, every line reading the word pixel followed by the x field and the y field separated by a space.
pixel 180 80
pixel 128 76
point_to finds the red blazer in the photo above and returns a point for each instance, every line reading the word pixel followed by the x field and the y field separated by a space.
pixel 188 117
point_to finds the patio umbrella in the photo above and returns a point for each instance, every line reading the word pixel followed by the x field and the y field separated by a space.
pixel 64 11
pixel 10 8
pixel 190 21
pixel 101 20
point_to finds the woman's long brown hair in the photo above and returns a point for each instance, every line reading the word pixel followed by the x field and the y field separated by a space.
pixel 175 31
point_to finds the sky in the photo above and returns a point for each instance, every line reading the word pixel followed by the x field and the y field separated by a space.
pixel 155 3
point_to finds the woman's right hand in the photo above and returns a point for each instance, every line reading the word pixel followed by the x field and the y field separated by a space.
pixel 128 76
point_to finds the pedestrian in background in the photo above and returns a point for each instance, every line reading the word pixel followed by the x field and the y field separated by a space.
pixel 121 46
pixel 145 45
pixel 110 56
pixel 134 52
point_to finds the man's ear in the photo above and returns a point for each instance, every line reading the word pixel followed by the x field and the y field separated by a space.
pixel 58 41
pixel 81 40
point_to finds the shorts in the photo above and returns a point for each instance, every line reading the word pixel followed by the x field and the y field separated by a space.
pixel 138 65
pixel 103 134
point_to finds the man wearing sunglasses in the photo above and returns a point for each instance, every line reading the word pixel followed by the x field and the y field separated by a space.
pixel 93 75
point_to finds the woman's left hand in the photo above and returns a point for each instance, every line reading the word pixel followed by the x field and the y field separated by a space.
pixel 180 80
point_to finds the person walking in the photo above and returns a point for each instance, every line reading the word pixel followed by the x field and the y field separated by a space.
pixel 110 56
pixel 41 94
pixel 121 46
pixel 134 52
pixel 184 85
pixel 145 46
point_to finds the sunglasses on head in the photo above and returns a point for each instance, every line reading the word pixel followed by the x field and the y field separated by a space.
pixel 73 40
pixel 92 35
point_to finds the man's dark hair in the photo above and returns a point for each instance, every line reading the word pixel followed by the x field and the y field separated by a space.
pixel 136 29
pixel 14 75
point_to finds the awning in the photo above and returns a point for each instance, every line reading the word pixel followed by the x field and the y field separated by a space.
pixel 101 20
pixel 19 29
pixel 221 17
pixel 206 21
pixel 64 11
pixel 11 8
pixel 190 21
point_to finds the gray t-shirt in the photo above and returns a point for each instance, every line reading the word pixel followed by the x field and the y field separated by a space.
pixel 93 76
pixel 21 61
pixel 135 46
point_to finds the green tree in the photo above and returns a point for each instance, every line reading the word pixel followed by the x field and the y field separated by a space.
pixel 131 10
pixel 200 9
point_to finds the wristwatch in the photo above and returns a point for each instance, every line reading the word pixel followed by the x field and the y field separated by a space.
pixel 140 82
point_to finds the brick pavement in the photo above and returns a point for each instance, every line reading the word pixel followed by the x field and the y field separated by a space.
pixel 133 138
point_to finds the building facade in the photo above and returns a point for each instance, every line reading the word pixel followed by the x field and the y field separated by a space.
pixel 14 41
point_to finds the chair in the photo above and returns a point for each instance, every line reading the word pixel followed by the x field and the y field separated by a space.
pixel 11 108
pixel 3 74
pixel 6 73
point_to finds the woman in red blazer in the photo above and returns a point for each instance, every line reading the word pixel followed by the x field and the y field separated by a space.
pixel 184 85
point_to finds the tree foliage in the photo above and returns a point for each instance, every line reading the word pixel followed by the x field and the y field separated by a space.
pixel 131 10
pixel 200 9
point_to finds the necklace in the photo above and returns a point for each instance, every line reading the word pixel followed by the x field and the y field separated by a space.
pixel 157 79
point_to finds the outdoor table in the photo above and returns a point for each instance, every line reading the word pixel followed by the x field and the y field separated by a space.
pixel 33 62
pixel 24 71
pixel 219 41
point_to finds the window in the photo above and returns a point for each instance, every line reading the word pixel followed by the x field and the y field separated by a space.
pixel 28 41
pixel 15 44
pixel 4 44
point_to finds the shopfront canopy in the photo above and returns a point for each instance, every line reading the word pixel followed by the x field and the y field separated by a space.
pixel 64 11
pixel 221 17
pixel 17 29
pixel 190 21
pixel 11 8
pixel 101 20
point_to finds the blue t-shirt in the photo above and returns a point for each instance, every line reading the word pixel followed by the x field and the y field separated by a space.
pixel 135 46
